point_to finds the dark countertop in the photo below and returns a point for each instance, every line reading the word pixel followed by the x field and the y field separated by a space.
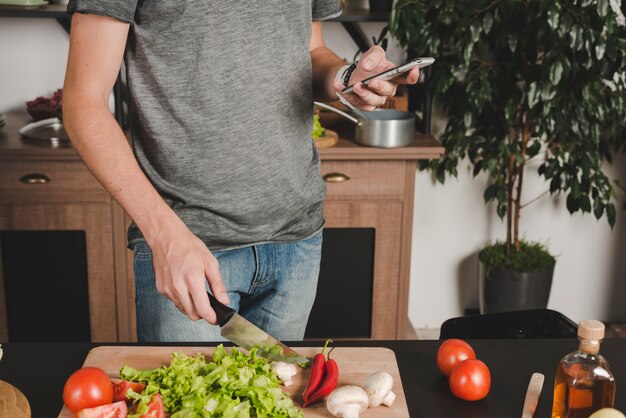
pixel 40 370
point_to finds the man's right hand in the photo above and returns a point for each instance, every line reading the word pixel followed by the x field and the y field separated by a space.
pixel 182 265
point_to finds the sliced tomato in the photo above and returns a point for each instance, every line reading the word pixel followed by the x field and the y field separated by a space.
pixel 120 389
pixel 112 410
pixel 155 408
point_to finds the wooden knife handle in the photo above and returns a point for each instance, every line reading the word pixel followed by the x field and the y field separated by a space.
pixel 223 312
pixel 532 395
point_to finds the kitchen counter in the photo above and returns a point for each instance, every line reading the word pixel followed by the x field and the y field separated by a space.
pixel 423 146
pixel 40 370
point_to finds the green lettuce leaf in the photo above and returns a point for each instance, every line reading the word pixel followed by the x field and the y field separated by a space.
pixel 318 129
pixel 235 385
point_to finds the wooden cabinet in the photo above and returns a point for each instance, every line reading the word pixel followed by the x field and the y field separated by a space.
pixel 374 188
pixel 49 189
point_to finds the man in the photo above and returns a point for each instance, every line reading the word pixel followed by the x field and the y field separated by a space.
pixel 224 185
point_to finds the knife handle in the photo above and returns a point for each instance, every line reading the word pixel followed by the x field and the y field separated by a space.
pixel 532 395
pixel 223 312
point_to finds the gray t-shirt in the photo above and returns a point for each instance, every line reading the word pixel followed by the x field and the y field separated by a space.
pixel 221 99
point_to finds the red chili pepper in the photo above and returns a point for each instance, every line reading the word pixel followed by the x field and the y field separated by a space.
pixel 317 373
pixel 331 376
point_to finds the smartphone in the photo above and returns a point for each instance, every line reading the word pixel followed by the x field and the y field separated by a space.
pixel 393 72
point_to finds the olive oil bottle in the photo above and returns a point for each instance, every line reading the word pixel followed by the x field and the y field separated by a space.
pixel 584 382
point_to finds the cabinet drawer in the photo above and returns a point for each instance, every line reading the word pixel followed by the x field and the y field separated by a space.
pixel 48 182
pixel 364 180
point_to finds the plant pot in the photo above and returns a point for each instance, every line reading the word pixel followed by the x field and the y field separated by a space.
pixel 378 6
pixel 503 290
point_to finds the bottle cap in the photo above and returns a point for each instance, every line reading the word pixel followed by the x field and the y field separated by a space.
pixel 590 329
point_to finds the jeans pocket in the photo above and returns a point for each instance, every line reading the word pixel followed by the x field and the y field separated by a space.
pixel 140 249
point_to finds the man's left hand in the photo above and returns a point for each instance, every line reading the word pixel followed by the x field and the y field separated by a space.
pixel 375 94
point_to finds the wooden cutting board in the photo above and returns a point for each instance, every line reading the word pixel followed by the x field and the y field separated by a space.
pixel 13 403
pixel 355 364
pixel 329 139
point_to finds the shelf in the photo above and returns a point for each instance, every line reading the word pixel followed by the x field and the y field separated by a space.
pixel 55 11
pixel 361 15
pixel 13 146
pixel 424 146
pixel 50 11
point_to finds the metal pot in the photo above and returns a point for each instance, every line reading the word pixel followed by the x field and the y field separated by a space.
pixel 380 128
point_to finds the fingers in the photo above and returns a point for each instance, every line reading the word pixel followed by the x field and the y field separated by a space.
pixel 202 304
pixel 372 58
pixel 214 277
pixel 183 281
pixel 188 306
pixel 368 98
pixel 409 78
pixel 376 92
pixel 382 88
pixel 362 97
pixel 178 293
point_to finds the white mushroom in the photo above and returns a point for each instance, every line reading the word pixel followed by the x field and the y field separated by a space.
pixel 378 388
pixel 285 371
pixel 347 401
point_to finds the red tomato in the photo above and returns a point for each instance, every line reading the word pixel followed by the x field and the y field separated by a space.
pixel 451 353
pixel 470 380
pixel 113 410
pixel 87 388
pixel 120 388
pixel 155 408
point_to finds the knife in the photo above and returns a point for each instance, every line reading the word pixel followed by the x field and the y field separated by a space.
pixel 245 334
pixel 532 395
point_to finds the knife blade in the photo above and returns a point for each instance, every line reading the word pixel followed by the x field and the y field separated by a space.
pixel 532 394
pixel 245 334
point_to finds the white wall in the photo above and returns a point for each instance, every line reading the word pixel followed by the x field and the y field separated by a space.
pixel 33 55
pixel 451 222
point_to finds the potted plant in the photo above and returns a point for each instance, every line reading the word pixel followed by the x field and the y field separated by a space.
pixel 523 81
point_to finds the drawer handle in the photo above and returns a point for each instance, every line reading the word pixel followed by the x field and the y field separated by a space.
pixel 335 178
pixel 35 178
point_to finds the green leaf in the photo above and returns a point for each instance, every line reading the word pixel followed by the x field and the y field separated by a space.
pixel 491 192
pixel 572 203
pixel 533 149
pixel 501 210
pixel 487 23
pixel 478 166
pixel 603 7
pixel 533 95
pixel 600 48
pixel 553 18
pixel 610 214
pixel 475 30
pixel 584 203
pixel 512 41
pixel 467 119
pixel 467 53
pixel 576 38
pixel 598 208
pixel 555 184
pixel 556 71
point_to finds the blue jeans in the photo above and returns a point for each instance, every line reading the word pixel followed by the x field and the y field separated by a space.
pixel 271 285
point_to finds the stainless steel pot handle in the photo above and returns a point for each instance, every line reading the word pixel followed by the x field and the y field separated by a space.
pixel 339 112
